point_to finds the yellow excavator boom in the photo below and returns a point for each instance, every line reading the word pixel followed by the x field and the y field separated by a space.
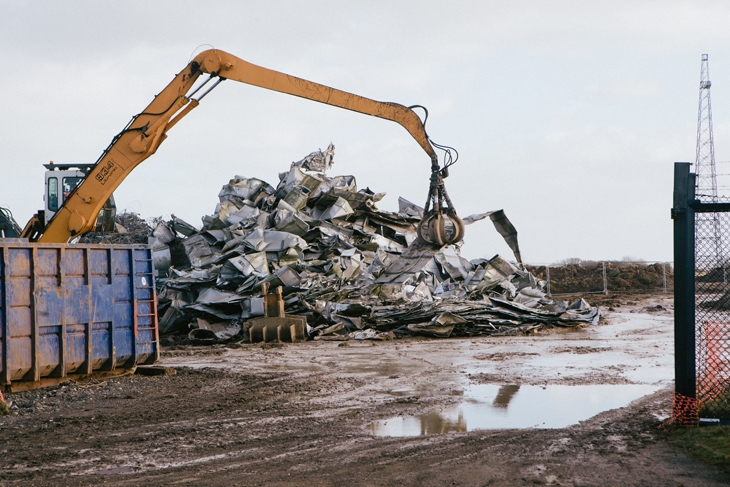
pixel 147 130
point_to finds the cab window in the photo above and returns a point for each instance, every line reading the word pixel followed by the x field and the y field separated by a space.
pixel 53 194
pixel 69 184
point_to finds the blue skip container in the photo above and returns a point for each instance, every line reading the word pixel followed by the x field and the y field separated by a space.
pixel 74 310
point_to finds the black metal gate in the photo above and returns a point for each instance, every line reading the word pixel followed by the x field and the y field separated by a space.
pixel 701 303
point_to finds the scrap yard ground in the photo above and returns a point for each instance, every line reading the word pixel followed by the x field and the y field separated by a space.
pixel 306 414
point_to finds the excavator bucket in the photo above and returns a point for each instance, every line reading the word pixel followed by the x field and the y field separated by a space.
pixel 281 329
pixel 275 325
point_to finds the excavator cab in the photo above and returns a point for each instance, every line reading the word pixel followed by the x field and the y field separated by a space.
pixel 61 181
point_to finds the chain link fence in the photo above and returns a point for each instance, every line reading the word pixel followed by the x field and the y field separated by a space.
pixel 606 277
pixel 701 304
pixel 712 314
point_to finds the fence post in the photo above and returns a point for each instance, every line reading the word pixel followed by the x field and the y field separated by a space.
pixel 664 277
pixel 547 277
pixel 605 282
pixel 684 281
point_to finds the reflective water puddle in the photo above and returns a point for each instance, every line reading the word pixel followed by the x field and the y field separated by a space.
pixel 488 406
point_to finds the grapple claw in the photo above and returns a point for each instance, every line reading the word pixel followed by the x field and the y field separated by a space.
pixel 441 228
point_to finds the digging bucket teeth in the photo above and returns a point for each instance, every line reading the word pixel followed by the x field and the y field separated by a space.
pixel 275 325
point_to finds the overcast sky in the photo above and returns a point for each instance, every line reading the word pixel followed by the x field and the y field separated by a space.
pixel 567 115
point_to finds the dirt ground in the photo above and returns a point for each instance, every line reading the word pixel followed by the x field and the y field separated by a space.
pixel 304 414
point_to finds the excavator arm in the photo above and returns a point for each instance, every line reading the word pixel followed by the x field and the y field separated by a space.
pixel 147 130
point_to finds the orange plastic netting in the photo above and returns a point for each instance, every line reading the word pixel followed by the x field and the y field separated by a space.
pixel 684 410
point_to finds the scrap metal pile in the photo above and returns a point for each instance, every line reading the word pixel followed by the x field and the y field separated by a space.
pixel 130 229
pixel 352 270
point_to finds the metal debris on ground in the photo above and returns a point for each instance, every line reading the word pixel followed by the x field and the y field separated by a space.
pixel 351 270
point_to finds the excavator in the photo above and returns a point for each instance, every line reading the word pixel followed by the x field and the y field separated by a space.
pixel 77 212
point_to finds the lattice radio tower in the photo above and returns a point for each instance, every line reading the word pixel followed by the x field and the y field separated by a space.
pixel 705 158
pixel 709 252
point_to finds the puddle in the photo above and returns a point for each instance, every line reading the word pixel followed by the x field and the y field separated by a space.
pixel 637 350
pixel 381 364
pixel 423 392
pixel 489 406
pixel 387 368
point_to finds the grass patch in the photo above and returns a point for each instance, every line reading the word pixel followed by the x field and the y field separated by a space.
pixel 708 444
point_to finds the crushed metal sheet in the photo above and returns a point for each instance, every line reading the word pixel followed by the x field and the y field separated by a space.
pixel 503 226
pixel 440 326
pixel 214 332
pixel 318 161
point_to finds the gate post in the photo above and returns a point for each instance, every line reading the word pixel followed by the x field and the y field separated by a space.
pixel 684 281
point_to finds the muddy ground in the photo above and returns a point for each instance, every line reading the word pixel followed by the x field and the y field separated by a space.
pixel 307 414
